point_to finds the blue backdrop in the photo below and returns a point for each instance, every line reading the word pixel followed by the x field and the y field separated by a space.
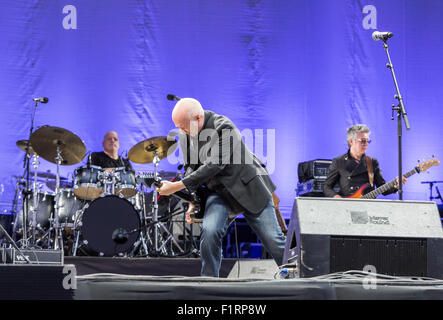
pixel 307 69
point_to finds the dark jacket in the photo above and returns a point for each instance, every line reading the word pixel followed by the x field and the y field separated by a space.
pixel 224 158
pixel 351 175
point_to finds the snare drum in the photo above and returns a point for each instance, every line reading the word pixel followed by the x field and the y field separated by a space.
pixel 126 184
pixel 88 182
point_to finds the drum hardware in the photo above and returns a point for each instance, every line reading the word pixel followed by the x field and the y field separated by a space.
pixel 147 151
pixel 110 179
pixel 27 194
pixel 27 146
pixel 156 224
pixel 141 245
pixel 62 147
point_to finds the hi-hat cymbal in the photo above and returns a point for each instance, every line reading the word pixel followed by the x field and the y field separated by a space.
pixel 47 175
pixel 143 152
pixel 51 184
pixel 23 144
pixel 46 139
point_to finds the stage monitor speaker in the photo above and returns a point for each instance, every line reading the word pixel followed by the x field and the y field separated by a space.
pixel 254 269
pixel 398 238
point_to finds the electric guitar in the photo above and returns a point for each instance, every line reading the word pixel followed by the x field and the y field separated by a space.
pixel 197 198
pixel 421 167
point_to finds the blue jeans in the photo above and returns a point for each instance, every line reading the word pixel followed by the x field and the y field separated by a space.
pixel 215 225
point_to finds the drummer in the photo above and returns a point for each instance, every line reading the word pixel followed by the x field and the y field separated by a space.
pixel 109 157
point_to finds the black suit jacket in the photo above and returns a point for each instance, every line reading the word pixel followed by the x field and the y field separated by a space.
pixel 224 157
pixel 351 176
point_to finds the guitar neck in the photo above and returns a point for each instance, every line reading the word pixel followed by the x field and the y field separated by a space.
pixel 183 195
pixel 387 186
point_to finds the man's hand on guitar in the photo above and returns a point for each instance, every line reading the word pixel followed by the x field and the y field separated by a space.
pixel 167 187
pixel 396 182
pixel 191 209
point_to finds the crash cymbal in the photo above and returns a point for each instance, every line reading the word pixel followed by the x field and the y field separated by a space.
pixel 23 144
pixel 46 139
pixel 143 152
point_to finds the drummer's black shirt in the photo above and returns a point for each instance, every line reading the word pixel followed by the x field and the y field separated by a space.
pixel 101 159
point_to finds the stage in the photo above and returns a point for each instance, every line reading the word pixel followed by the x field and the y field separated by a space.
pixel 176 279
pixel 179 280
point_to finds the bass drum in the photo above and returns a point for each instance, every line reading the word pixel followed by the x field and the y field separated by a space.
pixel 103 219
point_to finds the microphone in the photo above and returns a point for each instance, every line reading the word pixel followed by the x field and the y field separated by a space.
pixel 172 97
pixel 42 100
pixel 377 35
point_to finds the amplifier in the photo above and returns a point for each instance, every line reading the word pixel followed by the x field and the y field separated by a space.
pixel 398 238
pixel 314 169
pixel 313 188
pixel 39 256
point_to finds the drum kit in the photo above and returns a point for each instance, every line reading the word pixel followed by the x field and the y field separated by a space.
pixel 100 211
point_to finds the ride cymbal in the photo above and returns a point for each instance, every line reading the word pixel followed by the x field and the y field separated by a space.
pixel 143 152
pixel 46 139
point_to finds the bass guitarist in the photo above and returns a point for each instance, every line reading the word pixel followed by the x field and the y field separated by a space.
pixel 354 169
pixel 217 158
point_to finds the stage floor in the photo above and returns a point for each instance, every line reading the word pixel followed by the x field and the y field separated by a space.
pixel 174 280
pixel 178 279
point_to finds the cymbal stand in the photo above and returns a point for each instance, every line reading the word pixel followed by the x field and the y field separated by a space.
pixel 144 236
pixel 77 226
pixel 35 164
pixel 157 224
pixel 14 207
pixel 27 192
pixel 55 221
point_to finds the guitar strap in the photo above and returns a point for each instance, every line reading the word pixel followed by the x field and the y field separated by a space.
pixel 370 170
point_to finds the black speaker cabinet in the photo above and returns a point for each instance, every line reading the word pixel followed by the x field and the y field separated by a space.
pixel 398 238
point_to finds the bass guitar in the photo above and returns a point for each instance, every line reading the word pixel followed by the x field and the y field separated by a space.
pixel 421 167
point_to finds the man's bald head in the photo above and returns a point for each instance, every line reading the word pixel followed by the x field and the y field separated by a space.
pixel 188 114
pixel 111 143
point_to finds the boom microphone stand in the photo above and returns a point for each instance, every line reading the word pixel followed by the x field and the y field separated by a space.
pixel 27 192
pixel 400 108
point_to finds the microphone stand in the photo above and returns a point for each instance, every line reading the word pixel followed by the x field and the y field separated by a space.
pixel 401 112
pixel 26 163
